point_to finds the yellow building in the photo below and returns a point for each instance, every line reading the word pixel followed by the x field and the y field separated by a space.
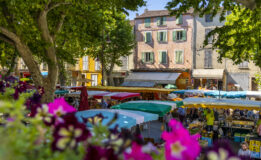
pixel 87 68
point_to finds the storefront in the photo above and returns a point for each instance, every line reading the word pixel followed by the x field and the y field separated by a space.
pixel 208 78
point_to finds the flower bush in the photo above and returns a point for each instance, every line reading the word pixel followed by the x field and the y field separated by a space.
pixel 34 131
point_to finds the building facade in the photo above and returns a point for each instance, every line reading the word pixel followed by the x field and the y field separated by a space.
pixel 86 72
pixel 164 45
pixel 207 71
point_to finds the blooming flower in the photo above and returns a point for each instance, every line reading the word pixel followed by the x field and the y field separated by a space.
pixel 34 103
pixel 43 113
pixel 98 153
pixel 179 143
pixel 69 133
pixel 136 153
pixel 60 107
pixel 221 150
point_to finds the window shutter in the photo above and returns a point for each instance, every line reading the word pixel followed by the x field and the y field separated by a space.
pixel 152 57
pixel 179 20
pixel 164 57
pixel 143 57
pixel 164 36
pixel 160 57
pixel 145 37
pixel 147 22
pixel 148 36
pixel 158 36
pixel 158 21
pixel 184 35
pixel 164 20
pixel 209 59
pixel 174 35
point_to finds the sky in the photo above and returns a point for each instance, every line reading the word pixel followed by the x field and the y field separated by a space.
pixel 151 5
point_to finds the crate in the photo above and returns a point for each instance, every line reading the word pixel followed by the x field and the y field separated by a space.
pixel 255 154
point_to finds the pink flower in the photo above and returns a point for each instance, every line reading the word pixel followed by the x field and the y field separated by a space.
pixel 180 145
pixel 60 107
pixel 136 153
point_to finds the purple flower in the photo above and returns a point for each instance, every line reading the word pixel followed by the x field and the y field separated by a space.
pixel 69 133
pixel 221 150
pixel 136 153
pixel 47 118
pixel 60 107
pixel 34 103
pixel 179 143
pixel 98 153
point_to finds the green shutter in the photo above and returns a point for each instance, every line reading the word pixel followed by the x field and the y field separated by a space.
pixel 158 21
pixel 165 36
pixel 152 57
pixel 160 57
pixel 147 22
pixel 143 57
pixel 145 37
pixel 164 20
pixel 174 35
pixel 179 20
pixel 149 37
pixel 164 57
pixel 184 35
pixel 158 36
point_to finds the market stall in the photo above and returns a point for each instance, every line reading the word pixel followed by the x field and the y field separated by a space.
pixel 126 119
pixel 157 107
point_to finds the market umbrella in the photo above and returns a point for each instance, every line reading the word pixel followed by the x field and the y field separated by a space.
pixel 24 79
pixel 84 105
pixel 171 86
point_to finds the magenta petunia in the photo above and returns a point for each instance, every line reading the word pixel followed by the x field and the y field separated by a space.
pixel 180 145
pixel 60 107
pixel 136 153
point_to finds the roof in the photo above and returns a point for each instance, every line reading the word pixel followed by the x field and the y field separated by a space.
pixel 156 13
pixel 208 73
pixel 137 84
pixel 156 77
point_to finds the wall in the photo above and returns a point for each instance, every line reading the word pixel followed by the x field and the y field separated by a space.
pixel 170 46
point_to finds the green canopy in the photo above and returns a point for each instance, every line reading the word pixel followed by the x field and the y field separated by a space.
pixel 61 92
pixel 171 86
pixel 160 109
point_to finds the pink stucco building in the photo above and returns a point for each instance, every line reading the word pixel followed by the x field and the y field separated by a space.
pixel 164 44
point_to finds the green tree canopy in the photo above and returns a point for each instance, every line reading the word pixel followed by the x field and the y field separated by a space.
pixel 53 29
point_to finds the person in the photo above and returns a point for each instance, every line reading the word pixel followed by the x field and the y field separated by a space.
pixel 104 104
pixel 244 151
pixel 182 113
pixel 167 117
pixel 210 119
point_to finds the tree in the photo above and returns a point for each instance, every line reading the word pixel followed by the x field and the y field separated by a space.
pixel 239 39
pixel 49 30
pixel 118 40
pixel 8 58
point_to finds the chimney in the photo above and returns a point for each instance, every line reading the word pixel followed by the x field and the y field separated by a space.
pixel 137 14
pixel 146 10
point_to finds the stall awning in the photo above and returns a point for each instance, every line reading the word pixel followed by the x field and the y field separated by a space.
pixel 137 84
pixel 157 77
pixel 208 73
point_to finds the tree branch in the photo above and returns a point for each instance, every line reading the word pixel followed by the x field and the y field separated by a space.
pixel 59 26
pixel 12 36
pixel 7 40
pixel 56 5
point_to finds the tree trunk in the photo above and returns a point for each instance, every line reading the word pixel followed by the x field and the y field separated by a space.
pixel 62 74
pixel 109 78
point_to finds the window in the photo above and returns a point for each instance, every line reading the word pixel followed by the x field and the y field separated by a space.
pixel 85 63
pixel 94 79
pixel 163 57
pixel 179 20
pixel 44 66
pixel 148 37
pixel 179 57
pixel 97 64
pixel 161 21
pixel 208 18
pixel 208 59
pixel 211 37
pixel 162 36
pixel 147 22
pixel 124 61
pixel 243 65
pixel 148 57
pixel 180 35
